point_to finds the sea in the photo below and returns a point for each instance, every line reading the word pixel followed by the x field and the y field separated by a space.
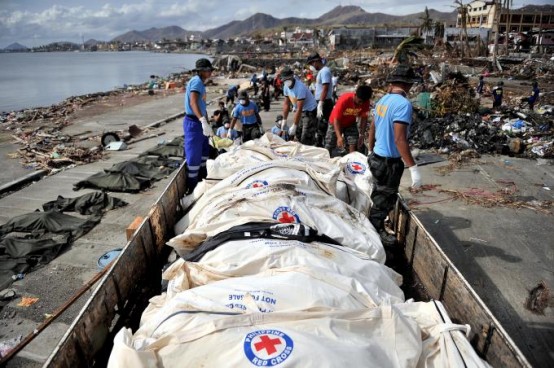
pixel 42 79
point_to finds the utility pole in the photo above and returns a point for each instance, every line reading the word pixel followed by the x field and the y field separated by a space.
pixel 497 11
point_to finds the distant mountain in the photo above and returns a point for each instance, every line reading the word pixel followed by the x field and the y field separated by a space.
pixel 92 42
pixel 339 16
pixel 537 8
pixel 158 34
pixel 16 47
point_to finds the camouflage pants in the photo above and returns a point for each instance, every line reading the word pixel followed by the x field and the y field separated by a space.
pixel 324 122
pixel 387 173
pixel 350 135
pixel 307 128
pixel 250 131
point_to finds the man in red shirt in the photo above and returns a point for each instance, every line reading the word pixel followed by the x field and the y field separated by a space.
pixel 350 107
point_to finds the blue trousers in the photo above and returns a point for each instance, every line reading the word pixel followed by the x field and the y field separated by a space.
pixel 197 150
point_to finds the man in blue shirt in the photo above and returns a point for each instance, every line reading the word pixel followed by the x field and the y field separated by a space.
pixel 388 148
pixel 304 123
pixel 232 92
pixel 195 124
pixel 497 94
pixel 280 130
pixel 248 113
pixel 534 96
pixel 323 94
pixel 224 132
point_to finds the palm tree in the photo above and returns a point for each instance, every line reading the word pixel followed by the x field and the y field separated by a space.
pixel 426 22
pixel 438 29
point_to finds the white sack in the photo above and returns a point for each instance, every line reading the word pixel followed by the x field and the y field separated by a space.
pixel 278 203
pixel 379 337
pixel 290 289
pixel 359 185
pixel 251 256
pixel 445 344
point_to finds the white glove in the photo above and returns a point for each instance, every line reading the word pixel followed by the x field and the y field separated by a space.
pixel 206 128
pixel 292 130
pixel 283 123
pixel 320 109
pixel 229 135
pixel 416 176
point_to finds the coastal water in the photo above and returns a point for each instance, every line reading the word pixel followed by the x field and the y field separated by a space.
pixel 42 79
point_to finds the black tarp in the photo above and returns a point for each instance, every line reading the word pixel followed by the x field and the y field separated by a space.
pixel 87 204
pixel 251 230
pixel 127 176
pixel 174 148
pixel 37 238
pixel 113 181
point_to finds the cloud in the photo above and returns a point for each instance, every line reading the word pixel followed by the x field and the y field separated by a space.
pixel 35 23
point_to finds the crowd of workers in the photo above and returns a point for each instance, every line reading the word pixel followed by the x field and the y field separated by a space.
pixel 313 116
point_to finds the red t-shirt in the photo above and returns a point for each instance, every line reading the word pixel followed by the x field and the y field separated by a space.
pixel 346 111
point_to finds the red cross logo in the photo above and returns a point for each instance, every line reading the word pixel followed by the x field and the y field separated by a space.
pixel 257 185
pixel 286 218
pixel 357 167
pixel 268 344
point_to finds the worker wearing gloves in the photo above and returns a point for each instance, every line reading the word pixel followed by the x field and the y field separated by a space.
pixel 195 124
pixel 247 113
pixel 388 148
pixel 350 107
pixel 304 123
pixel 323 94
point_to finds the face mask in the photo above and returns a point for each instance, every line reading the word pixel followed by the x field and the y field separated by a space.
pixel 226 126
pixel 313 69
pixel 242 102
pixel 289 83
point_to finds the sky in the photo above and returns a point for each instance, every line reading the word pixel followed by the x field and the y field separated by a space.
pixel 34 23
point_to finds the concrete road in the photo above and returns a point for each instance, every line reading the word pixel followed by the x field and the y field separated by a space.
pixel 503 252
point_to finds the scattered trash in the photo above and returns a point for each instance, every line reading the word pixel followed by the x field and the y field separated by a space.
pixel 7 345
pixel 27 301
pixel 116 146
pixel 19 276
pixel 107 257
pixel 478 240
pixel 539 298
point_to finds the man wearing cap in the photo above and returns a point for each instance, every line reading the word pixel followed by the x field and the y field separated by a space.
pixel 388 148
pixel 304 123
pixel 248 113
pixel 323 93
pixel 195 124
pixel 350 107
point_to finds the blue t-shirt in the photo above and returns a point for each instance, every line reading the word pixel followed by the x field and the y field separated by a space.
pixel 222 133
pixel 324 76
pixel 301 92
pixel 232 92
pixel 497 93
pixel 246 114
pixel 196 85
pixel 390 108
pixel 535 96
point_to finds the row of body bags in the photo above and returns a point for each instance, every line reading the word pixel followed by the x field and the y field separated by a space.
pixel 282 302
